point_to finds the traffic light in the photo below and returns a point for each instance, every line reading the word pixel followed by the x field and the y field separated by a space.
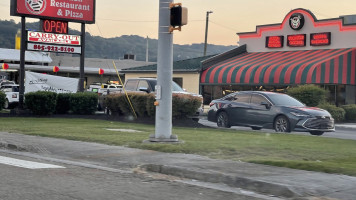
pixel 179 16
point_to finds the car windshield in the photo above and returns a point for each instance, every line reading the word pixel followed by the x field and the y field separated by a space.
pixel 175 87
pixel 284 100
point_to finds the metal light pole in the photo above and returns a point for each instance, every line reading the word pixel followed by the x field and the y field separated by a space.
pixel 206 31
pixel 163 132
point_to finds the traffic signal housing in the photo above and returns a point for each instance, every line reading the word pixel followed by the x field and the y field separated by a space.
pixel 179 16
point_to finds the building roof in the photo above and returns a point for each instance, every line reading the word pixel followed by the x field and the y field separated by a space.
pixel 8 55
pixel 92 65
pixel 41 61
pixel 189 65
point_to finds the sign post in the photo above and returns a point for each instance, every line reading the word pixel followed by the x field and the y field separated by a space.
pixel 22 63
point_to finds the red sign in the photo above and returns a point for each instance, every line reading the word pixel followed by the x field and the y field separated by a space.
pixel 320 39
pixel 296 40
pixel 101 71
pixel 53 38
pixel 54 26
pixel 68 10
pixel 274 41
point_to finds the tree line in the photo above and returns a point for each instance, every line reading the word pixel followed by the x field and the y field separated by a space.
pixel 114 48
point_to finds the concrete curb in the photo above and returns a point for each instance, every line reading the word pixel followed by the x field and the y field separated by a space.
pixel 6 145
pixel 230 180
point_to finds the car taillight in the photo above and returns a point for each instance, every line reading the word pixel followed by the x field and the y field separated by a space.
pixel 211 104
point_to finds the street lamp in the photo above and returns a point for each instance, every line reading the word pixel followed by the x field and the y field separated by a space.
pixel 206 31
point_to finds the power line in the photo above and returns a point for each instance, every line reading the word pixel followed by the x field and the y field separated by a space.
pixel 226 27
pixel 138 21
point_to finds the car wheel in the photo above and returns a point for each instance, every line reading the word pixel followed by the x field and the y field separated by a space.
pixel 6 105
pixel 281 124
pixel 223 120
pixel 256 128
pixel 316 133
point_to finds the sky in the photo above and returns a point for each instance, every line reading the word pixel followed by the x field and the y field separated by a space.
pixel 140 17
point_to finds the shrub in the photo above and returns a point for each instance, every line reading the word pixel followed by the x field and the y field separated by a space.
pixel 63 103
pixel 41 102
pixel 112 103
pixel 2 100
pixel 183 105
pixel 311 95
pixel 150 107
pixel 84 103
pixel 336 112
pixel 350 112
pixel 118 103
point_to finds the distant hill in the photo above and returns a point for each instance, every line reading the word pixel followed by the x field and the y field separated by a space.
pixel 115 48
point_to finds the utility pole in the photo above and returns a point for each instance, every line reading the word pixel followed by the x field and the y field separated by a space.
pixel 206 31
pixel 146 49
pixel 163 123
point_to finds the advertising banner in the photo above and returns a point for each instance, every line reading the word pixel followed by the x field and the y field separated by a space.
pixel 53 38
pixel 68 10
pixel 44 82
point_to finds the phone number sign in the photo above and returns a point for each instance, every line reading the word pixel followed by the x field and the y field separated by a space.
pixel 53 48
pixel 68 10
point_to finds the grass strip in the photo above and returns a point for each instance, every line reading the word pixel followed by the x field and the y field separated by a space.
pixel 312 153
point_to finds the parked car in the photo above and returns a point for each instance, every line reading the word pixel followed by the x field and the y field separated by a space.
pixel 257 109
pixel 12 94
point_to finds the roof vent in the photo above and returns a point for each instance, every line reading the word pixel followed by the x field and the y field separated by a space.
pixel 129 57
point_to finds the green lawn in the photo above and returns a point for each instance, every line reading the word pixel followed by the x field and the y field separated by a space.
pixel 294 151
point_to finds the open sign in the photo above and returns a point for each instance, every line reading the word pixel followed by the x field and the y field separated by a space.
pixel 54 26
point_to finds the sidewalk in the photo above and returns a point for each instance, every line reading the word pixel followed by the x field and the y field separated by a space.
pixel 281 182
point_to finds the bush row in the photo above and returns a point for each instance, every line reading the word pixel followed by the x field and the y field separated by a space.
pixel 45 103
pixel 183 105
pixel 2 100
pixel 312 95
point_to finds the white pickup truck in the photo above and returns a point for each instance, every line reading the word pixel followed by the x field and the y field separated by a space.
pixel 12 94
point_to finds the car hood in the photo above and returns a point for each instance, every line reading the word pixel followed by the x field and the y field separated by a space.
pixel 314 111
pixel 183 92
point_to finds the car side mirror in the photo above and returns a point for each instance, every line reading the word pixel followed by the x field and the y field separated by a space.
pixel 267 105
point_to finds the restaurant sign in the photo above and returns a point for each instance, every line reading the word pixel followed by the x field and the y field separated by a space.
pixel 53 38
pixel 68 10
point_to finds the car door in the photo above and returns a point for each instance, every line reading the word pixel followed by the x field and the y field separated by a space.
pixel 260 113
pixel 237 108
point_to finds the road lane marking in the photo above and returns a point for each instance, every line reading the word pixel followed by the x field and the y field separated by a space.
pixel 26 164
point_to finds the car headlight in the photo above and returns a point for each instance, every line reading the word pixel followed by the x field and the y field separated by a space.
pixel 299 114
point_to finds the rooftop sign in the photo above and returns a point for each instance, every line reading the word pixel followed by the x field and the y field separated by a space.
pixel 68 10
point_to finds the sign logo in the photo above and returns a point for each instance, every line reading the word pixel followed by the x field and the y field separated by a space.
pixel 36 7
pixel 296 21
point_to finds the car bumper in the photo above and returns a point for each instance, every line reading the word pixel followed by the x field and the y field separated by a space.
pixel 315 124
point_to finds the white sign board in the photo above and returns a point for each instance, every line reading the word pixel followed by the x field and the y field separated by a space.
pixel 53 38
pixel 53 48
pixel 44 82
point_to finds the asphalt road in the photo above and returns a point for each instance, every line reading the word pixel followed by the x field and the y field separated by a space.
pixel 341 133
pixel 65 181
